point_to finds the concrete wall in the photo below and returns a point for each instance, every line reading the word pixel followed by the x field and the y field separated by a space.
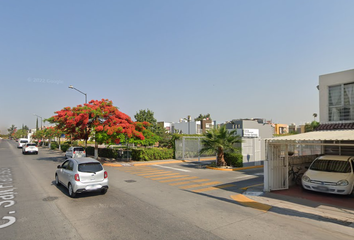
pixel 188 127
pixel 330 80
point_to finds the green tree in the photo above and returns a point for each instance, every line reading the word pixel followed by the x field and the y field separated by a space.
pixel 148 116
pixel 12 130
pixel 309 127
pixel 201 117
pixel 220 140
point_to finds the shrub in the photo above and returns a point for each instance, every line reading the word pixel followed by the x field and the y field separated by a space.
pixel 148 154
pixel 107 152
pixel 54 145
pixel 234 159
pixel 64 147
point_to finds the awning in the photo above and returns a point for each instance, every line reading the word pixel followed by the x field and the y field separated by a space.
pixel 336 135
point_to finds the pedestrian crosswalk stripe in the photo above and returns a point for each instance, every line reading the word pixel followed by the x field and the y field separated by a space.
pixel 177 176
pixel 178 179
pixel 199 185
pixel 192 181
pixel 213 188
pixel 153 174
pixel 161 175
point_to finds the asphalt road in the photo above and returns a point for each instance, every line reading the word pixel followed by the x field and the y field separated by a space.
pixel 142 203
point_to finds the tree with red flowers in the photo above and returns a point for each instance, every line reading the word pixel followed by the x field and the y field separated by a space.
pixel 100 120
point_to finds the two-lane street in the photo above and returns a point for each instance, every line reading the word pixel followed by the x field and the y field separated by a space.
pixel 174 201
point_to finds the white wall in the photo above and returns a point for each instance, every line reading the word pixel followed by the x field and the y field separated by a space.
pixel 330 80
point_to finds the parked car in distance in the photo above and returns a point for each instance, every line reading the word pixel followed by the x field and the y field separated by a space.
pixel 330 174
pixel 21 142
pixel 30 148
pixel 75 152
pixel 82 175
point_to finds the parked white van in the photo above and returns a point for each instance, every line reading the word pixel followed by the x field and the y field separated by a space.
pixel 21 142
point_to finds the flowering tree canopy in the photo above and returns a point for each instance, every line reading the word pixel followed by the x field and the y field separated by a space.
pixel 99 119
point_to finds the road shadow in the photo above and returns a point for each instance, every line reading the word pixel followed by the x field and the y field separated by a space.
pixel 52 159
pixel 65 192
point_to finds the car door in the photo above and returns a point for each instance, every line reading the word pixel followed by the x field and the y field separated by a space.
pixel 62 174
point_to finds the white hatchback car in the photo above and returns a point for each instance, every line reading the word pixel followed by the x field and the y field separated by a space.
pixel 75 152
pixel 30 148
pixel 21 142
pixel 330 174
pixel 82 175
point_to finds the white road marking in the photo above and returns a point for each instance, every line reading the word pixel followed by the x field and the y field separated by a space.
pixel 247 176
pixel 178 169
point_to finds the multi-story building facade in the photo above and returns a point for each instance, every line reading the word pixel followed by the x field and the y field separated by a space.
pixel 253 133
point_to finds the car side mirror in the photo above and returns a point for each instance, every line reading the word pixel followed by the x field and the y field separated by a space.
pixel 58 166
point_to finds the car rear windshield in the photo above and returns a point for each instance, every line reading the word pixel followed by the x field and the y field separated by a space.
pixel 90 167
pixel 23 141
pixel 331 166
pixel 31 144
pixel 78 149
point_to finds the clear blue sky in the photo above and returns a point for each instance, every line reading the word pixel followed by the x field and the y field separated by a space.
pixel 232 59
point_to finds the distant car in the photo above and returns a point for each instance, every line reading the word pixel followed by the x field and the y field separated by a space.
pixel 82 175
pixel 30 148
pixel 75 152
pixel 21 142
pixel 330 174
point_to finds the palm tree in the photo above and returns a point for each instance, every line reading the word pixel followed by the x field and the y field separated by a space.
pixel 314 116
pixel 220 140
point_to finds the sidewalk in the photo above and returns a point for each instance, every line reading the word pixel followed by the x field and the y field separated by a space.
pixel 297 206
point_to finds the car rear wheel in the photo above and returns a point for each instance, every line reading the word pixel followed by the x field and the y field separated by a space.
pixel 57 180
pixel 104 191
pixel 71 191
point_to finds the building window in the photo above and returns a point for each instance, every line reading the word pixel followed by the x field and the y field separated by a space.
pixel 341 102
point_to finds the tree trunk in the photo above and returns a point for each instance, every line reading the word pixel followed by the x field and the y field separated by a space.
pixel 221 160
pixel 96 150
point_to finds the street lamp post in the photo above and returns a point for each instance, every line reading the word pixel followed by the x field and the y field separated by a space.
pixel 72 87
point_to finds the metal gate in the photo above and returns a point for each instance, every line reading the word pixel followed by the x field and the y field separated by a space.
pixel 188 148
pixel 276 167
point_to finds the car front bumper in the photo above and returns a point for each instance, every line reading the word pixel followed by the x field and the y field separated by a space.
pixel 341 190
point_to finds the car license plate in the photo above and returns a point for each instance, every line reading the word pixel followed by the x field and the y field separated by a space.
pixel 322 188
pixel 93 187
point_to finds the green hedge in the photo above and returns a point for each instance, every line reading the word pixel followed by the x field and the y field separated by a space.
pixel 54 145
pixel 148 154
pixel 64 147
pixel 234 159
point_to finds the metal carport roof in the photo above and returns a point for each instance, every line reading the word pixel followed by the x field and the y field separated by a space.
pixel 337 135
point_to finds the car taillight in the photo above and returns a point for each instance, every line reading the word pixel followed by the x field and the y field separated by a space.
pixel 77 177
pixel 74 152
pixel 105 174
